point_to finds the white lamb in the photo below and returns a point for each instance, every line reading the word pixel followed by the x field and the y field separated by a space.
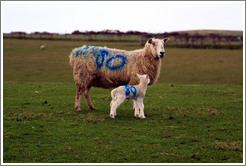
pixel 136 92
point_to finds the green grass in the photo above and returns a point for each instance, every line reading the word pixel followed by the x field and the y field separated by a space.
pixel 184 123
pixel 198 119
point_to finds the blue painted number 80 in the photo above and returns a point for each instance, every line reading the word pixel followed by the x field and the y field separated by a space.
pixel 130 89
pixel 100 60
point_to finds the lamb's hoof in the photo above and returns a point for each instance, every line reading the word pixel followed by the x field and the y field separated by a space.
pixel 142 116
pixel 92 108
pixel 137 116
pixel 111 116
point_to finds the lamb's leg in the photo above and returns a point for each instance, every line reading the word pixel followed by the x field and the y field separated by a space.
pixel 113 100
pixel 133 81
pixel 141 106
pixel 88 100
pixel 78 98
pixel 112 109
pixel 136 108
pixel 115 104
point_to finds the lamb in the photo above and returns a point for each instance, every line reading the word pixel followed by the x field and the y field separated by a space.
pixel 109 68
pixel 136 92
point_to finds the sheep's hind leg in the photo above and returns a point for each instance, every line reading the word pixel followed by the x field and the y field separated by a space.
pixel 88 100
pixel 78 98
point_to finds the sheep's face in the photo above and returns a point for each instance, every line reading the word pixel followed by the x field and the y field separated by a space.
pixel 144 78
pixel 157 47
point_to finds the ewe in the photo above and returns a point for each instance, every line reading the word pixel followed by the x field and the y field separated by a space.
pixel 108 68
pixel 136 92
pixel 42 47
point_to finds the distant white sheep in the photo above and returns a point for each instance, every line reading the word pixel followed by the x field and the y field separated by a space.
pixel 136 92
pixel 108 68
pixel 42 47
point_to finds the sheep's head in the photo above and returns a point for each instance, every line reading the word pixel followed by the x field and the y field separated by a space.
pixel 156 47
pixel 144 78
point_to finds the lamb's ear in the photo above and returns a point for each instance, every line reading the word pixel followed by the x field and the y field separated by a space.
pixel 150 41
pixel 139 76
pixel 165 40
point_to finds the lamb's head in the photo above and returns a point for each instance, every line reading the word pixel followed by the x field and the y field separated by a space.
pixel 144 79
pixel 156 47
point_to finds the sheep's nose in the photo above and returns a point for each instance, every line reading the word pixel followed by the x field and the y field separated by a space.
pixel 162 54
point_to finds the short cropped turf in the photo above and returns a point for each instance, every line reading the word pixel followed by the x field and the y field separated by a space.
pixel 184 123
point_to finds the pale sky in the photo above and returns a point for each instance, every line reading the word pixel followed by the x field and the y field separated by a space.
pixel 146 16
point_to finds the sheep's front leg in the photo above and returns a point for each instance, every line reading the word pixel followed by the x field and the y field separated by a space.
pixel 136 108
pixel 88 100
pixel 115 104
pixel 141 106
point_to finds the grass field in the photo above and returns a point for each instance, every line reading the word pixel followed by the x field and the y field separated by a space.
pixel 193 114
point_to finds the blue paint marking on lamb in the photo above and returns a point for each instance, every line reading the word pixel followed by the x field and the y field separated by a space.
pixel 134 91
pixel 116 67
pixel 130 89
pixel 127 90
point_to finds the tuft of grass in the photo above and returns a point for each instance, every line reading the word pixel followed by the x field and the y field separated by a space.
pixel 230 146
pixel 94 118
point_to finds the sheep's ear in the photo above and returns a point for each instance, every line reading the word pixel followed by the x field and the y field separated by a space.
pixel 150 41
pixel 165 40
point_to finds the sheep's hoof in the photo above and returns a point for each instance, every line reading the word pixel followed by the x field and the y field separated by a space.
pixel 112 116
pixel 137 115
pixel 78 109
pixel 92 108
